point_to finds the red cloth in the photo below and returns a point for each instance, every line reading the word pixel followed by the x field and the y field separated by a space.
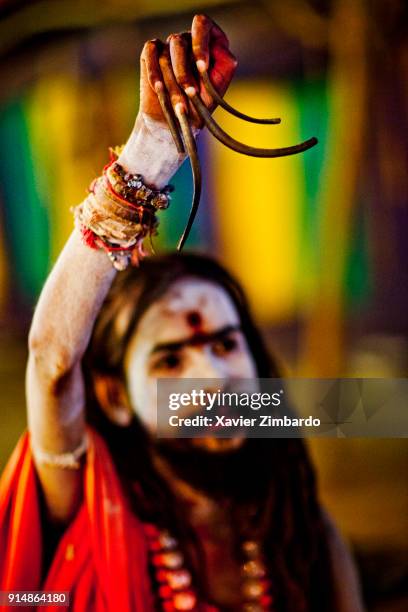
pixel 101 559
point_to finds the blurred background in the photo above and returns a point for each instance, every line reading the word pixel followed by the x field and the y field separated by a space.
pixel 318 240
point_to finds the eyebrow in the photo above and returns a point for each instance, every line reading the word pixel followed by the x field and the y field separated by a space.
pixel 199 338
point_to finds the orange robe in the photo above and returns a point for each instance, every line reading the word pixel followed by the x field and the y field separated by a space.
pixel 102 558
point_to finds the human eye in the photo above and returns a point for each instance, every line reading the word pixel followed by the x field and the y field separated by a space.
pixel 225 345
pixel 170 361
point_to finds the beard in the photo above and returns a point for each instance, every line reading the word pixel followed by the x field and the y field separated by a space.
pixel 239 475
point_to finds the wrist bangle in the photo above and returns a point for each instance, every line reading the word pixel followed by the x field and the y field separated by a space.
pixel 68 460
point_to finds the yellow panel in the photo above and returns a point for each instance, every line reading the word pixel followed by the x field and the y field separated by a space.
pixel 258 200
pixel 54 139
pixel 70 141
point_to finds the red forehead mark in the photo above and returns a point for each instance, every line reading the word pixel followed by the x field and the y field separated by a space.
pixel 194 319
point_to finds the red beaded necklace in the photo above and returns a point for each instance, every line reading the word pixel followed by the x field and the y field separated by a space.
pixel 175 590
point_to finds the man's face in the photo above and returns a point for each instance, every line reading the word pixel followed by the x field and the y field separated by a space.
pixel 192 331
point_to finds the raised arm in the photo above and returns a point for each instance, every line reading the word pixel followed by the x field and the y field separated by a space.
pixel 76 287
pixel 59 335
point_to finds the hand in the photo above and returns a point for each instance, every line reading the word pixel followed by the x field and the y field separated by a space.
pixel 171 71
pixel 175 66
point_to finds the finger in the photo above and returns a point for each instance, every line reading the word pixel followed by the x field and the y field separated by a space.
pixel 184 69
pixel 213 56
pixel 181 62
pixel 206 35
pixel 150 57
pixel 180 54
pixel 150 66
pixel 175 91
pixel 200 35
pixel 176 94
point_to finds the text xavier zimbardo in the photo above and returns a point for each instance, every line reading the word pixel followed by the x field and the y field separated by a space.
pixel 255 401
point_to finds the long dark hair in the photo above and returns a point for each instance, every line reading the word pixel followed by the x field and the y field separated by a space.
pixel 284 511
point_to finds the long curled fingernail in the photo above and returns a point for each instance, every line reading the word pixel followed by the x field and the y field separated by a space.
pixel 240 147
pixel 168 113
pixel 234 111
pixel 191 147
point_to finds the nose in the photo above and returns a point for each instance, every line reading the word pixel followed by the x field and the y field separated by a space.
pixel 207 365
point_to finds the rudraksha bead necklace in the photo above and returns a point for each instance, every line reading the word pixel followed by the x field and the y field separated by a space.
pixel 175 590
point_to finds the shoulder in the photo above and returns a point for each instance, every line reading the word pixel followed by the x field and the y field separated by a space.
pixel 346 580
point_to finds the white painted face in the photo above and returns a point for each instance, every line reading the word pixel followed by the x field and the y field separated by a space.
pixel 191 308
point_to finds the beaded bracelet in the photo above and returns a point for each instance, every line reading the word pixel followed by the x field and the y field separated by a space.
pixel 119 212
pixel 133 190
